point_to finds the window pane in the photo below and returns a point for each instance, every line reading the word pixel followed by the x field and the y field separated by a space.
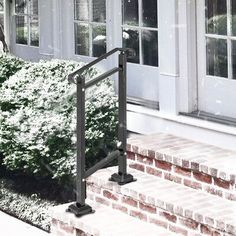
pixel 216 17
pixel 130 12
pixel 2 20
pixel 150 13
pixel 150 47
pixel 131 41
pixel 99 40
pixel 82 10
pixel 21 30
pixel 21 6
pixel 34 7
pixel 234 58
pixel 82 39
pixel 1 5
pixel 34 31
pixel 233 4
pixel 99 10
pixel 217 61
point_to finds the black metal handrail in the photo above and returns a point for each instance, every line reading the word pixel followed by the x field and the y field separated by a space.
pixel 80 207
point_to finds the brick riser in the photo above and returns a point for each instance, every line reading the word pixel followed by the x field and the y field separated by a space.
pixel 144 209
pixel 183 172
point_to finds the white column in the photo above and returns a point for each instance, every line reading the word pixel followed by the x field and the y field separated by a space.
pixel 168 56
pixel 187 55
pixel 46 28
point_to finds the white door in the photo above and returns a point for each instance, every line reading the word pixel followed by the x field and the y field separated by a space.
pixel 138 27
pixel 217 57
pixel 25 29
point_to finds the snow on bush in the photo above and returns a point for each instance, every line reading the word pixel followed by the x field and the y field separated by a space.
pixel 9 65
pixel 38 120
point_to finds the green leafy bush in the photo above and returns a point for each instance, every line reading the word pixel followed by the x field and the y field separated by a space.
pixel 9 65
pixel 38 120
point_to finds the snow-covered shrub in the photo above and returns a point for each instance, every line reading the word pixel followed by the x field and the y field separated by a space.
pixel 9 65
pixel 38 119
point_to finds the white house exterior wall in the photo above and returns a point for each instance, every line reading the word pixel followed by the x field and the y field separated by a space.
pixel 176 76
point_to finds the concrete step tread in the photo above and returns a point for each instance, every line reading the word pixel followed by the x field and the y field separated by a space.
pixel 180 200
pixel 209 159
pixel 106 222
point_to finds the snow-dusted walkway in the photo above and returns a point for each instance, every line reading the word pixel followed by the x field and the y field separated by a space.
pixel 11 226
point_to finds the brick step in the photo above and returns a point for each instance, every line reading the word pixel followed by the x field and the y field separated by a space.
pixel 105 222
pixel 175 207
pixel 196 165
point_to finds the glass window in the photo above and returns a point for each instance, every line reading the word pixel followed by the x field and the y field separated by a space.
pixel 140 31
pixel 90 27
pixel 27 22
pixel 220 38
pixel 2 13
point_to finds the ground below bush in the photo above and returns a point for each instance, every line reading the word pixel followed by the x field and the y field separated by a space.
pixel 29 199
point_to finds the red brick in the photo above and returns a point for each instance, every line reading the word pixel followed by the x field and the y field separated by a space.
pixel 192 184
pixel 81 233
pixel 151 154
pixel 65 227
pixel 54 222
pixel 94 188
pixel 195 166
pixel 110 195
pixel 128 147
pixel 147 208
pixel 144 159
pixel 139 215
pixel 182 171
pixel 153 171
pixel 163 165
pixel 137 166
pixel 173 178
pixel 189 223
pixel 185 164
pixel 131 155
pixel 178 230
pixel 158 222
pixel 142 197
pixel 102 201
pixel 134 148
pixel 130 201
pixel 208 231
pixel 202 177
pixel 119 207
pixel 230 196
pixel 168 216
pixel 214 191
pixel 222 183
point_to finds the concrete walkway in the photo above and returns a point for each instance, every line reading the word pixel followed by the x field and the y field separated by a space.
pixel 10 226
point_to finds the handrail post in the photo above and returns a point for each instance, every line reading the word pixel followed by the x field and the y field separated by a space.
pixel 80 208
pixel 122 130
pixel 122 177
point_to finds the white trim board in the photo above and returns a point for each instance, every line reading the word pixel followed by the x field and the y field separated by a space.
pixel 147 121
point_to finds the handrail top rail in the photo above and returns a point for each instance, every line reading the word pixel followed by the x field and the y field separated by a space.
pixel 87 66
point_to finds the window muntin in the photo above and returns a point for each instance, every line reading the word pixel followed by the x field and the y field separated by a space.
pixel 140 30
pixel 220 34
pixel 2 13
pixel 27 22
pixel 90 27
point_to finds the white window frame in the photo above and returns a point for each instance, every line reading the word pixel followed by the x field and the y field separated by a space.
pixel 90 24
pixel 28 16
pixel 229 38
pixel 2 12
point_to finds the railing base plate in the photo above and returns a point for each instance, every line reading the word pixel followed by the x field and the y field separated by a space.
pixel 122 179
pixel 80 210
